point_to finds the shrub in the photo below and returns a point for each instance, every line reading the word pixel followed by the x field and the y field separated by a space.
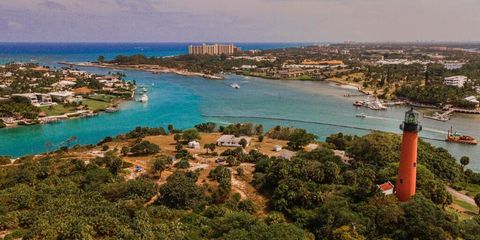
pixel 145 148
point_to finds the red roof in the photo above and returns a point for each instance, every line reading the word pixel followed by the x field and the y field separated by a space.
pixel 386 186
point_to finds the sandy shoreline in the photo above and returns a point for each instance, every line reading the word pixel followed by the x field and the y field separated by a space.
pixel 148 68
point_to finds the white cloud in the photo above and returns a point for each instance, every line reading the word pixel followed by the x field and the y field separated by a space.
pixel 245 20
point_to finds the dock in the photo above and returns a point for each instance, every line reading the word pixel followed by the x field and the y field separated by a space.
pixel 468 111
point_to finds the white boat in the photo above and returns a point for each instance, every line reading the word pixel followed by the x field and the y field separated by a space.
pixel 144 89
pixel 376 105
pixel 111 110
pixel 235 85
pixel 247 77
pixel 361 115
pixel 143 98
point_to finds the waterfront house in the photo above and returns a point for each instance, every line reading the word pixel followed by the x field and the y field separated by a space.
pixel 62 96
pixel 232 141
pixel 36 99
pixel 290 73
pixel 472 99
pixel 456 81
pixel 386 188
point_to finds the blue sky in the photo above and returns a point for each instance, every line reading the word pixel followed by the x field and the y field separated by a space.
pixel 238 20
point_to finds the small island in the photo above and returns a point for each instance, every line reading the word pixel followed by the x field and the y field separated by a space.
pixel 33 94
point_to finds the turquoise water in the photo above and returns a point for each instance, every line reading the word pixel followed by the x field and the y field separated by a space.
pixel 184 101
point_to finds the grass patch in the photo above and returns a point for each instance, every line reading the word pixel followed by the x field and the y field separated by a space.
pixel 466 206
pixel 57 110
pixel 304 77
pixel 95 105
pixel 472 189
pixel 103 98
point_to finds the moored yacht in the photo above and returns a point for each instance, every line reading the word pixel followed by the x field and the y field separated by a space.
pixel 143 98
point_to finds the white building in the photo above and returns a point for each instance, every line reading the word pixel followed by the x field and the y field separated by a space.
pixel 37 99
pixel 456 81
pixel 277 148
pixel 194 145
pixel 62 96
pixel 453 65
pixel 386 188
pixel 472 99
pixel 232 141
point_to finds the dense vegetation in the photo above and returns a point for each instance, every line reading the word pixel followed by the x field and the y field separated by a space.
pixel 18 107
pixel 315 194
pixel 193 63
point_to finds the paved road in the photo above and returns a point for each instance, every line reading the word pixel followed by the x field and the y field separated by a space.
pixel 461 196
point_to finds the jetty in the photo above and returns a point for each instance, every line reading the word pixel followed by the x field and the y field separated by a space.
pixel 354 95
pixel 468 111
pixel 445 116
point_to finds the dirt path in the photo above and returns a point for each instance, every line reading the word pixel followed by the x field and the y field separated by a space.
pixel 461 196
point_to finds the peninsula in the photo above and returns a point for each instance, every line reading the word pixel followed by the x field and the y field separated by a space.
pixel 32 94
pixel 236 182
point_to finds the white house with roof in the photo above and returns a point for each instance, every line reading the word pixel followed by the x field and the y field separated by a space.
pixel 37 99
pixel 232 141
pixel 472 99
pixel 194 145
pixel 61 96
pixel 456 81
pixel 386 188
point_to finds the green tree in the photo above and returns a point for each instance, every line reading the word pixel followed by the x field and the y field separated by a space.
pixel 190 135
pixel 101 59
pixel 464 161
pixel 300 138
pixel 158 165
pixel 243 142
pixel 145 148
pixel 125 150
pixel 181 192
pixel 113 162
pixel 177 137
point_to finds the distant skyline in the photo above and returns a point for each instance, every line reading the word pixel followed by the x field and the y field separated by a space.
pixel 239 21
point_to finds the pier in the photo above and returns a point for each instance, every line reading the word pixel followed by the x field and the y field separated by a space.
pixel 468 111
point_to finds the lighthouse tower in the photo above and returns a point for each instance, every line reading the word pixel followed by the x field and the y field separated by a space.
pixel 407 173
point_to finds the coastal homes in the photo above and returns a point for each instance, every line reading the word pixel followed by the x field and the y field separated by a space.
pixel 37 99
pixel 455 81
pixel 290 73
pixel 232 141
pixel 64 84
pixel 62 96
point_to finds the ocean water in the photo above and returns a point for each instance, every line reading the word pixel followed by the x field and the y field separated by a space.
pixel 182 101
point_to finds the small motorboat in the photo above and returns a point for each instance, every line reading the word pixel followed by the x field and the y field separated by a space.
pixel 361 115
pixel 358 103
pixel 235 85
pixel 143 98
pixel 111 109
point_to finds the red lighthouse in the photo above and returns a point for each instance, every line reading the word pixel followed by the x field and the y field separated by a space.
pixel 407 173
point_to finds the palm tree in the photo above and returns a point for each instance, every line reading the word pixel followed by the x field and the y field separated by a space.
pixel 464 161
